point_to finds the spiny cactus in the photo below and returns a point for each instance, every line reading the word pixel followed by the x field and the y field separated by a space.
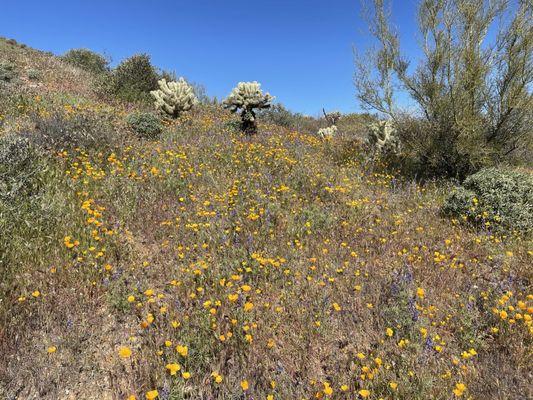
pixel 246 97
pixel 382 137
pixel 174 98
pixel 328 132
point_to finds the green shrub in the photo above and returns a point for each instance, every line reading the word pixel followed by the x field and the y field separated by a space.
pixel 134 78
pixel 499 200
pixel 19 167
pixel 145 124
pixel 87 60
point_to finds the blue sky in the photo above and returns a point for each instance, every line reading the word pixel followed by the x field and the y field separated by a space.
pixel 300 50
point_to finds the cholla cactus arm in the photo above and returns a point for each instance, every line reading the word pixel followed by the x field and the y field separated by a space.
pixel 174 98
pixel 246 97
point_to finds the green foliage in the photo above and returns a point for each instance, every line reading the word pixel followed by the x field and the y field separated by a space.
pixel 36 214
pixel 472 91
pixel 19 167
pixel 104 85
pixel 496 199
pixel 134 78
pixel 145 124
pixel 87 60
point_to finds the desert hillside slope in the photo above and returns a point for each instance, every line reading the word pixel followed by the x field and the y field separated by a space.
pixel 206 264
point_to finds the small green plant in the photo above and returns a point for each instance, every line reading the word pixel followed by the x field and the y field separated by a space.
pixel 496 199
pixel 174 98
pixel 247 97
pixel 145 124
pixel 87 60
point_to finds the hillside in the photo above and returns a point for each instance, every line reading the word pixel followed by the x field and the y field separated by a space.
pixel 206 264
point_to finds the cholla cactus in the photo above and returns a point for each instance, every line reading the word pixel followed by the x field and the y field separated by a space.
pixel 246 97
pixel 327 133
pixel 174 98
pixel 382 137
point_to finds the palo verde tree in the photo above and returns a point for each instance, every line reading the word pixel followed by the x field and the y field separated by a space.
pixel 472 85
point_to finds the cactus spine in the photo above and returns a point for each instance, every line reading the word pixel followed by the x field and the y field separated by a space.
pixel 174 98
pixel 247 97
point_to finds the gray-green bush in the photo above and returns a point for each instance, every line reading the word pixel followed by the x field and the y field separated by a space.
pixel 145 124
pixel 499 200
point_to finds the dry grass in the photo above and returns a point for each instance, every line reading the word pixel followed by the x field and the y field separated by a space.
pixel 277 260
